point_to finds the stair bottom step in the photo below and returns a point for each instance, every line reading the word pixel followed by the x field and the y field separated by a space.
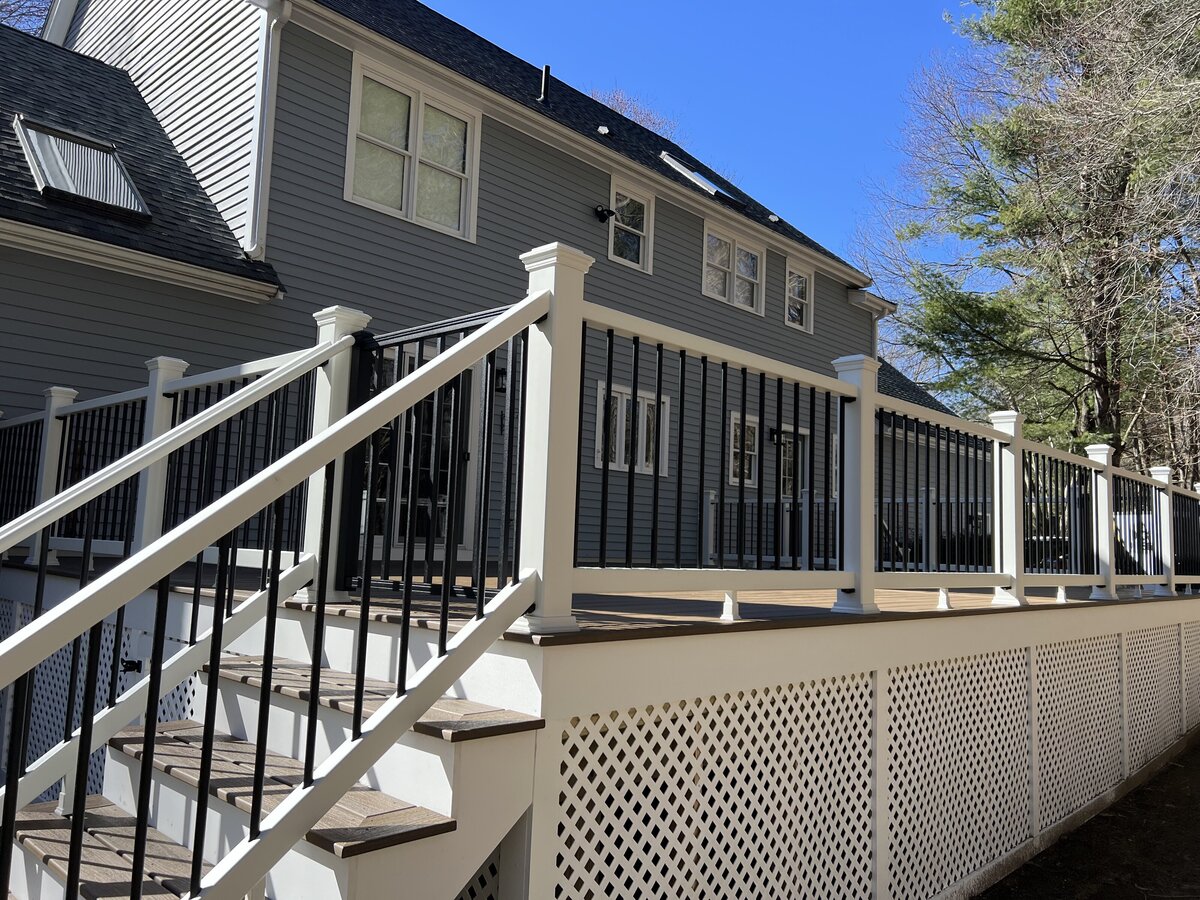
pixel 107 857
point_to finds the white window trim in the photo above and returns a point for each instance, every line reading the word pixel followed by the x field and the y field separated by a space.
pixel 621 392
pixel 787 433
pixel 420 95
pixel 811 275
pixel 647 199
pixel 752 477
pixel 735 243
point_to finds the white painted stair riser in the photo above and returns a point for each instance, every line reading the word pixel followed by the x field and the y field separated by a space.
pixel 31 880
pixel 506 676
pixel 305 873
pixel 418 769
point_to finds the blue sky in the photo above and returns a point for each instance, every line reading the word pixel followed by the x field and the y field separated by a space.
pixel 801 103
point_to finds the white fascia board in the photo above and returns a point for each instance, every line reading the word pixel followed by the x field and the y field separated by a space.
pixel 332 26
pixel 59 245
pixel 872 303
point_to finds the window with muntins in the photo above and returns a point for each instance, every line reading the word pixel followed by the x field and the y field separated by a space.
pixel 630 230
pixel 792 456
pixel 77 165
pixel 749 464
pixel 412 155
pixel 798 303
pixel 732 272
pixel 621 418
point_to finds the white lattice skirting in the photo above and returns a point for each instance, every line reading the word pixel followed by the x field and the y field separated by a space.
pixel 900 782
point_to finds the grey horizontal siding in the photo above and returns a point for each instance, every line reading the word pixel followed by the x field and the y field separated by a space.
pixel 195 62
pixel 92 330
pixel 330 250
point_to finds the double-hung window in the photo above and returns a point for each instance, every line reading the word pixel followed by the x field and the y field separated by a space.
pixel 793 461
pixel 621 417
pixel 733 272
pixel 739 463
pixel 798 302
pixel 631 229
pixel 412 154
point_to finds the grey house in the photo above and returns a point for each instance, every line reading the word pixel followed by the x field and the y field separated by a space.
pixel 379 156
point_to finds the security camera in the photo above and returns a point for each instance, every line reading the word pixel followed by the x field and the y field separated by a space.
pixel 603 213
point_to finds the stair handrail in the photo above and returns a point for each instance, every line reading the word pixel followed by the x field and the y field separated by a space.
pixel 67 501
pixel 30 645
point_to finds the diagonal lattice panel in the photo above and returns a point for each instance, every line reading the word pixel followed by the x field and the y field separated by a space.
pixel 958 744
pixel 1152 660
pixel 1191 657
pixel 484 884
pixel 1079 723
pixel 764 793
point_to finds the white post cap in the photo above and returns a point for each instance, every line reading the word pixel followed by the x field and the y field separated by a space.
pixel 1101 453
pixel 169 366
pixel 556 254
pixel 1162 473
pixel 343 319
pixel 59 396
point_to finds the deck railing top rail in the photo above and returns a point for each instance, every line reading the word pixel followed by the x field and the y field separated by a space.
pixel 107 400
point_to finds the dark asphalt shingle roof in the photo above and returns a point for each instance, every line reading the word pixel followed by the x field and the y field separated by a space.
pixel 61 88
pixel 447 43
pixel 895 383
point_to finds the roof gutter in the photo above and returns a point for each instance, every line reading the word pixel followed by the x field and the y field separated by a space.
pixel 88 252
pixel 872 303
pixel 274 15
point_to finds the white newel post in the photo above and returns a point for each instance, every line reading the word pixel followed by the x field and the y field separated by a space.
pixel 1008 519
pixel 858 448
pixel 1106 524
pixel 551 448
pixel 331 401
pixel 57 398
pixel 1167 531
pixel 152 484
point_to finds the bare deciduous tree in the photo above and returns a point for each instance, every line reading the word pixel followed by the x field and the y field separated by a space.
pixel 26 15
pixel 634 108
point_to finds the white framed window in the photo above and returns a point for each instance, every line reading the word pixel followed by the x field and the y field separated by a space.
pixel 733 271
pixel 631 230
pixel 77 165
pixel 798 298
pixel 412 153
pixel 749 465
pixel 621 418
pixel 793 450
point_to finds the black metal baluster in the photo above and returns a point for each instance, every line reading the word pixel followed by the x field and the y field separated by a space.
pixel 679 467
pixel 760 475
pixel 606 449
pixel 583 348
pixel 741 475
pixel 485 483
pixel 510 454
pixel 82 758
pixel 893 513
pixel 204 778
pixel 450 554
pixel 521 456
pixel 631 464
pixel 701 499
pixel 149 733
pixel 392 480
pixel 416 454
pixel 812 479
pixel 723 472
pixel 827 478
pixel 779 472
pixel 364 590
pixel 656 453
pixel 435 471
pixel 796 490
pixel 317 656
pixel 268 672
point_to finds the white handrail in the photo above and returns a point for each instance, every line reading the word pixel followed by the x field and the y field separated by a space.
pixel 35 642
pixel 109 477
pixel 231 373
pixel 56 762
pixel 107 400
pixel 22 420
pixel 1061 455
pixel 633 326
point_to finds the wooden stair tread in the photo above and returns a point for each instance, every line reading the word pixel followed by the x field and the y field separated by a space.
pixel 107 856
pixel 364 819
pixel 450 719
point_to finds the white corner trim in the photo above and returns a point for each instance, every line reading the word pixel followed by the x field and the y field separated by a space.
pixel 872 303
pixel 58 21
pixel 59 245
pixel 274 15
pixel 311 15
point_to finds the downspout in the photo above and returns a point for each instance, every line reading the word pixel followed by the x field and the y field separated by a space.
pixel 275 14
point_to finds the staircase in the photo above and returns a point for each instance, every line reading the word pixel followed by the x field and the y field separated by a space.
pixel 426 814
pixel 335 745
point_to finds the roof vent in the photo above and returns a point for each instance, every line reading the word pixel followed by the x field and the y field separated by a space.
pixel 77 166
pixel 545 85
pixel 772 218
pixel 603 129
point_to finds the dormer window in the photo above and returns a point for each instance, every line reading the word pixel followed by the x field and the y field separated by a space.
pixel 75 166
pixel 411 154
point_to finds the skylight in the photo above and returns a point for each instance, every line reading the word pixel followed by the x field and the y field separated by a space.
pixel 78 166
pixel 695 177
